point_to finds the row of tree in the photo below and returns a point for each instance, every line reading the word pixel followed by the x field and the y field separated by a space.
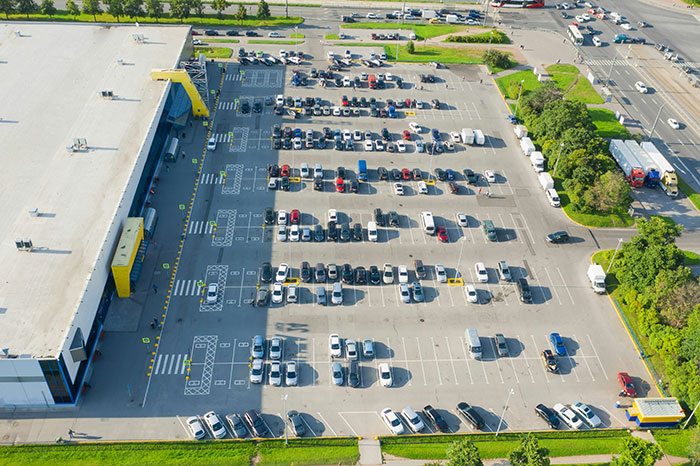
pixel 180 9
pixel 664 296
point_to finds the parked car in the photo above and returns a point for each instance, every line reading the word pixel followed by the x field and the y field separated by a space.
pixel 628 388
pixel 470 415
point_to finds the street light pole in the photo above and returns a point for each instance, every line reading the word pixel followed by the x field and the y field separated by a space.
pixel 607 81
pixel 296 42
pixel 522 81
pixel 651 133
pixel 461 249
pixel 619 243
pixel 286 439
pixel 286 8
pixel 561 146
pixel 490 37
pixel 510 392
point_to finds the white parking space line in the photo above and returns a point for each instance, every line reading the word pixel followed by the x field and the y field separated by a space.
pixel 596 356
pixel 326 423
pixel 405 355
pixel 496 358
pixel 233 358
pixel 313 363
pixel 348 424
pixel 552 287
pixel 437 364
pixel 452 361
pixel 566 287
pixel 466 359
pixel 583 356
pixel 534 345
pixel 422 366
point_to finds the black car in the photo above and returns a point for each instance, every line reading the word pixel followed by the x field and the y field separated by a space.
pixel 287 143
pixel 548 415
pixel 245 107
pixel 354 185
pixel 314 73
pixel 385 134
pixel 266 274
pixel 375 278
pixel 470 415
pixel 524 290
pixel 251 34
pixel 269 216
pixel 211 32
pixel 287 132
pixel 440 173
pixel 423 78
pixel 285 183
pixel 295 422
pixel 320 273
pixel 378 217
pixel 232 32
pixel 305 272
pixel 347 276
pixel 437 420
pixel 273 170
pixel 332 232
pixel 417 174
pixel 357 232
pixel 396 174
pixel 321 143
pixel 318 184
pixel 289 101
pixel 360 275
pixel 276 144
pixel 319 233
pixel 345 232
pixel 340 173
pixel 257 107
pixel 471 177
pixel 276 131
pixel 382 173
pixel 393 218
pixel 558 237
pixel 327 133
pixel 363 102
pixel 354 102
pixel 262 297
pixel 255 422
pixel 309 101
pixel 354 374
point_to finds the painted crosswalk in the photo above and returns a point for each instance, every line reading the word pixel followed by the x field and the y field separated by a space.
pixel 200 227
pixel 171 364
pixel 187 288
pixel 233 77
pixel 212 178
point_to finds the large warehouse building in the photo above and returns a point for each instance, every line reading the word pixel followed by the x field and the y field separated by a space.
pixel 83 128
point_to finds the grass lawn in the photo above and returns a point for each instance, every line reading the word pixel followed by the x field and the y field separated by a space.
pixel 598 220
pixel 229 41
pixel 673 441
pixel 511 64
pixel 689 192
pixel 573 84
pixel 331 37
pixel 357 44
pixel 530 83
pixel 205 20
pixel 607 125
pixel 559 444
pixel 497 37
pixel 278 42
pixel 302 452
pixel 297 35
pixel 214 52
pixel 462 55
pixel 423 31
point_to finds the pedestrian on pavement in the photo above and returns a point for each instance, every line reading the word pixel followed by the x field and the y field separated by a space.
pixel 479 190
pixel 70 433
pixel 155 322
pixel 155 289
pixel 183 135
pixel 153 325
pixel 183 156
pixel 191 124
pixel 167 168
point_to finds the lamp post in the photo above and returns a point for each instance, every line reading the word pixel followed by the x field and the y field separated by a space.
pixel 286 439
pixel 490 37
pixel 619 243
pixel 607 81
pixel 510 392
pixel 561 146
pixel 296 42
pixel 286 8
pixel 651 133
pixel 522 81
pixel 459 260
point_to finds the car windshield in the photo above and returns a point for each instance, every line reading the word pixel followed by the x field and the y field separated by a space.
pixel 385 375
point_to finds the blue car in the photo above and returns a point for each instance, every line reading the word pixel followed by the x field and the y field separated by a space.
pixel 436 135
pixel 558 344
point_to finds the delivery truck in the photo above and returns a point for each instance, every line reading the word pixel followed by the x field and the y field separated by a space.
pixel 520 131
pixel 546 181
pixel 651 171
pixel 537 160
pixel 596 275
pixel 668 178
pixel 467 136
pixel 631 167
pixel 451 19
pixel 479 138
pixel 527 146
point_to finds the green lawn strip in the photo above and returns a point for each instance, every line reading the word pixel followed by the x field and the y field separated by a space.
pixel 128 454
pixel 214 52
pixel 607 125
pixel 331 37
pixel 531 83
pixel 573 84
pixel 308 452
pixel 619 219
pixel 307 5
pixel 591 442
pixel 462 55
pixel 583 91
pixel 673 442
pixel 278 42
pixel 691 258
pixel 297 35
pixel 423 31
pixel 205 20
pixel 230 41
pixel 498 37
pixel 357 44
pixel 689 192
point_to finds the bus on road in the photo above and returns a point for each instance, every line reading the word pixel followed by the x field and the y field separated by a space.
pixel 575 35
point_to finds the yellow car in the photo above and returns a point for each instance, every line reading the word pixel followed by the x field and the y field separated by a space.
pixel 434 21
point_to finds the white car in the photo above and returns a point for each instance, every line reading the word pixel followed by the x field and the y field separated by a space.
pixel 357 135
pixel 405 293
pixel 351 350
pixel 195 427
pixel 641 87
pixel 196 42
pixel 372 16
pixel 274 34
pixel 337 373
pixel 332 215
pixel 275 350
pixel 412 419
pixel 212 293
pixel 336 347
pixel 470 291
pixel 282 272
pixel 597 42
pixel 388 274
pixel 256 371
pixel 347 135
pixel 283 54
pixel 372 233
pixel 388 77
pixel 215 424
pixel 398 189
pixel 454 135
pixel 294 233
pixel 587 414
pixel 441 273
pixel 282 233
pixel 626 26
pixel 490 176
pixel 462 219
pixel 337 293
pixel 565 6
pixel 415 127
pixel 385 375
pixel 422 187
pixel 585 17
pixel 348 55
pixel 280 98
pixel 369 147
pixel 392 421
pixel 291 374
pixel 379 145
pixel 282 217
pixel 481 274
pixel 275 376
pixel 292 293
pixel 400 146
pixel 673 123
pixel 568 416
pixel 403 274
pixel 580 19
pixel 211 145
pixel 277 293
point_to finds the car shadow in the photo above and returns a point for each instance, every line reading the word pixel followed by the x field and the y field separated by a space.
pixel 400 376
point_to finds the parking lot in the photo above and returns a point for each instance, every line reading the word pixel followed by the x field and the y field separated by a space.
pixel 204 365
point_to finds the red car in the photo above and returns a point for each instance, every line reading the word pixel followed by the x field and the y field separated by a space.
pixel 340 185
pixel 196 33
pixel 442 234
pixel 454 187
pixel 294 217
pixel 410 103
pixel 405 174
pixel 284 171
pixel 627 385
pixel 406 135
pixel 345 101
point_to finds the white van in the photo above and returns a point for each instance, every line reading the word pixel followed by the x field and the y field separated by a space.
pixel 553 197
pixel 372 231
pixel 471 339
pixel 428 223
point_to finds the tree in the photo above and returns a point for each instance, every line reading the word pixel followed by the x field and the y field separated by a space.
pixel 133 8
pixel 198 7
pixel 242 13
pixel 48 8
pixel 657 231
pixel 560 116
pixel 536 100
pixel 7 7
pixel 638 452
pixel 180 9
pixel 263 10
pixel 676 293
pixel 463 453
pixel 410 47
pixel 154 9
pixel 115 8
pixel 529 453
pixel 73 9
pixel 26 7
pixel 690 343
pixel 496 59
pixel 92 7
pixel 609 193
pixel 694 447
pixel 220 6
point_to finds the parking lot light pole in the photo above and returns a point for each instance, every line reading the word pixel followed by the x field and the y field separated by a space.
pixel 554 173
pixel 510 392
pixel 490 37
pixel 651 133
pixel 296 41
pixel 517 102
pixel 461 249
pixel 284 413
pixel 607 81
pixel 619 243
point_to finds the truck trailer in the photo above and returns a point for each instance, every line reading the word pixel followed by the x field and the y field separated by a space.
pixel 631 167
pixel 520 131
pixel 479 138
pixel 669 179
pixel 467 136
pixel 651 170
pixel 527 146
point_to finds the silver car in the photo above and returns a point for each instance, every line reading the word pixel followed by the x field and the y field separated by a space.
pixel 337 372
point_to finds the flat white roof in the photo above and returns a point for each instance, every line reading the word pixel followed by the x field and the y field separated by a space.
pixel 52 75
